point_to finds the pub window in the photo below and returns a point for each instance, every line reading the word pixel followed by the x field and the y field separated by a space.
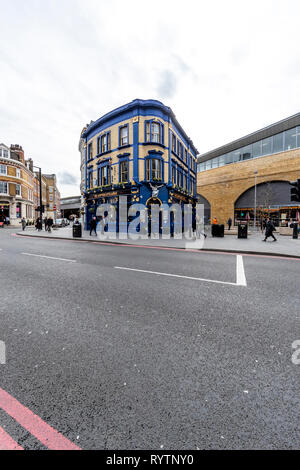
pixel 105 142
pixel 124 135
pixel 154 132
pixel 90 151
pixel 105 175
pixel 124 171
pixel 173 174
pixel 173 143
pixel 153 169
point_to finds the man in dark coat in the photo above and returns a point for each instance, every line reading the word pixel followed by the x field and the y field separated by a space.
pixel 229 222
pixel 93 225
pixel 49 223
pixel 269 230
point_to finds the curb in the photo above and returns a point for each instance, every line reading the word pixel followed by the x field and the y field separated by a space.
pixel 207 250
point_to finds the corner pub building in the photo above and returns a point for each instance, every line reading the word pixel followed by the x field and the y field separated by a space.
pixel 264 163
pixel 138 150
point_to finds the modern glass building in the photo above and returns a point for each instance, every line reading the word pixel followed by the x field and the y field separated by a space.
pixel 248 178
pixel 260 144
pixel 138 150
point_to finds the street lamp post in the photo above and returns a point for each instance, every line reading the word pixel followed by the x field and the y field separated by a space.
pixel 40 181
pixel 255 176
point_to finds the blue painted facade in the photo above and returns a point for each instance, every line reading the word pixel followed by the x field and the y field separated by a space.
pixel 155 152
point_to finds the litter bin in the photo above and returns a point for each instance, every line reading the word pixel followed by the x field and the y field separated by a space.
pixel 77 230
pixel 295 230
pixel 242 231
pixel 217 230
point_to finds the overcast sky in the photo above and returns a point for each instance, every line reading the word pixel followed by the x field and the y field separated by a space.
pixel 226 68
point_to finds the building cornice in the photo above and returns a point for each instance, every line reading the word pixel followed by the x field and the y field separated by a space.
pixel 135 108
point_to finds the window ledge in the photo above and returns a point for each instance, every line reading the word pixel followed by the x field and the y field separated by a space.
pixel 154 143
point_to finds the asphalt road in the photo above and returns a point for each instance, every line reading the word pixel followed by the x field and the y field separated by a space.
pixel 127 359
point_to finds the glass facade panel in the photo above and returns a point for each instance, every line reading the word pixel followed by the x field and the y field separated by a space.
pixel 267 146
pixel 215 163
pixel 256 149
pixel 278 143
pixel 222 160
pixel 290 139
pixel 246 152
pixel 208 165
pixel 236 154
pixel 298 136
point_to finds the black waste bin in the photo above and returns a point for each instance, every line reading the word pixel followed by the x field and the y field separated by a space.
pixel 77 231
pixel 242 231
pixel 217 230
pixel 295 230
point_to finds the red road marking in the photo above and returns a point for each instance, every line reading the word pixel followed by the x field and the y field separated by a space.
pixel 47 435
pixel 7 442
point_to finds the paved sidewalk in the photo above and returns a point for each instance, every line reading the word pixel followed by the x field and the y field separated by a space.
pixel 230 243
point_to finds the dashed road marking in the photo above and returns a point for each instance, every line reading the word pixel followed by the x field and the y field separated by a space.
pixel 50 257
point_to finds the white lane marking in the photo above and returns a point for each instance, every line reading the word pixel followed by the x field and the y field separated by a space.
pixel 177 275
pixel 240 272
pixel 50 257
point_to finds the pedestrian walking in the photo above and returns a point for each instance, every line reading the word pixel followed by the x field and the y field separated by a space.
pixel 229 222
pixel 199 232
pixel 46 223
pixel 23 222
pixel 214 221
pixel 38 224
pixel 93 225
pixel 49 223
pixel 269 231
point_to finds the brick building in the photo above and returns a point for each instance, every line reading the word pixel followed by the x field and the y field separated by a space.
pixel 16 184
pixel 257 167
pixel 20 188
pixel 52 208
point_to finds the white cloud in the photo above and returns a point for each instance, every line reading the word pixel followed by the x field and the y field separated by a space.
pixel 225 68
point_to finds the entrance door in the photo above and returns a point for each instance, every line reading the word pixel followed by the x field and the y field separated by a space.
pixel 4 210
pixel 151 202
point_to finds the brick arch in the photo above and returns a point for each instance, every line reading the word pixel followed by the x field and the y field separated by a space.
pixel 266 180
